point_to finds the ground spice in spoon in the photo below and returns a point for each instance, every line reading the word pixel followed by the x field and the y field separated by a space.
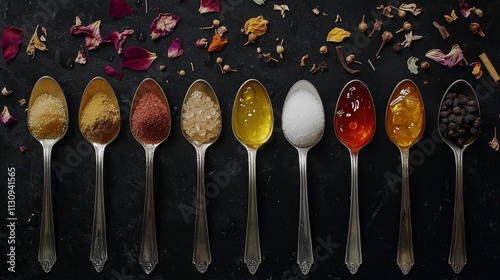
pixel 99 119
pixel 150 119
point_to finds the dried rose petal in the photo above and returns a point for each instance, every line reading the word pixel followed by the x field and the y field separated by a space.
pixel 464 8
pixel 137 58
pixel 208 6
pixel 454 57
pixel 91 31
pixel 81 58
pixel 175 49
pixel 11 42
pixel 202 43
pixel 110 71
pixel 163 25
pixel 119 8
pixel 22 149
pixel 117 39
pixel 6 117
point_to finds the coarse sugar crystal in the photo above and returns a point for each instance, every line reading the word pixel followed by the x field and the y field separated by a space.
pixel 47 117
pixel 201 118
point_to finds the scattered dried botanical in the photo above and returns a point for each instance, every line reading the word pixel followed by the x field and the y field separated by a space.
pixel 11 42
pixel 451 17
pixel 282 9
pixel 386 38
pixel 257 26
pixel 412 64
pixel 6 117
pixel 251 39
pixel 397 47
pixel 476 69
pixel 215 24
pixel 377 26
pixel 477 11
pixel 181 73
pixel 425 65
pixel 81 58
pixel 218 43
pixel 137 58
pixel 315 11
pixel 219 62
pixel 118 39
pixel 280 49
pixel 163 25
pixel 221 30
pixel 343 62
pixel 323 49
pixel 260 2
pixel 464 8
pixel 475 28
pixel 406 27
pixel 412 8
pixel 35 44
pixel 162 67
pixel 338 19
pixel 494 142
pixel 323 66
pixel 454 57
pixel 401 13
pixel 409 38
pixel 362 26
pixel 22 149
pixel 228 68
pixel 351 59
pixel 489 66
pixel 387 12
pixel 303 60
pixel 442 30
pixel 119 8
pixel 337 34
pixel 175 49
pixel 22 102
pixel 209 6
pixel 267 57
pixel 110 71
pixel 373 67
pixel 202 43
pixel 6 92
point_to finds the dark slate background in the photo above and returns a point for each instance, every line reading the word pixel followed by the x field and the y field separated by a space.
pixel 432 180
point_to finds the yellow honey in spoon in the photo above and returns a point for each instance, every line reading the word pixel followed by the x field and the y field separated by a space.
pixel 252 115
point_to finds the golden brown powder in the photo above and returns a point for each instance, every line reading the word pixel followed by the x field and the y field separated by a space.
pixel 47 117
pixel 100 119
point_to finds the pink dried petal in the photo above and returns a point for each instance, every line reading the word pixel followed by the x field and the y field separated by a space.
pixel 137 58
pixel 110 71
pixel 6 117
pixel 202 43
pixel 175 49
pixel 81 58
pixel 119 8
pixel 208 6
pixel 11 42
pixel 117 39
pixel 464 8
pixel 92 33
pixel 454 57
pixel 163 25
pixel 22 149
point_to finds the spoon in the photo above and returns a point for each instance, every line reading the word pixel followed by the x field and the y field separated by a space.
pixel 354 126
pixel 405 124
pixel 457 258
pixel 99 132
pixel 252 123
pixel 47 248
pixel 195 98
pixel 150 125
pixel 303 123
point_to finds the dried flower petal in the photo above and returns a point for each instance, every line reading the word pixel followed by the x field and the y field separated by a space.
pixel 208 6
pixel 221 30
pixel 452 17
pixel 281 8
pixel 11 42
pixel 110 71
pixel 119 8
pixel 92 33
pixel 464 8
pixel 175 49
pixel 6 117
pixel 81 58
pixel 454 57
pixel 117 39
pixel 163 25
pixel 412 8
pixel 260 2
pixel 257 26
pixel 6 92
pixel 412 64
pixel 202 43
pixel 217 44
pixel 137 58
pixel 35 44
pixel 476 69
pixel 22 149
pixel 337 35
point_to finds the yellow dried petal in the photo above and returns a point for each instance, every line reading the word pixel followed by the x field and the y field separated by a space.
pixel 337 35
pixel 476 70
pixel 257 26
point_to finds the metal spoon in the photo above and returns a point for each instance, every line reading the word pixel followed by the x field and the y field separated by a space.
pixel 404 136
pixel 354 126
pixel 201 249
pixel 47 248
pixel 252 134
pixel 305 256
pixel 457 258
pixel 98 246
pixel 149 252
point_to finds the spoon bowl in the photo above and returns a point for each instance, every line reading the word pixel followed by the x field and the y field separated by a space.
pixel 58 126
pixel 150 125
pixel 201 126
pixel 405 124
pixel 354 123
pixel 303 123
pixel 460 95
pixel 252 123
pixel 99 126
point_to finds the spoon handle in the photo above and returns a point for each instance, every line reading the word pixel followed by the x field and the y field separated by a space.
pixel 252 244
pixel 201 250
pixel 353 257
pixel 305 257
pixel 458 258
pixel 47 248
pixel 98 246
pixel 404 257
pixel 149 252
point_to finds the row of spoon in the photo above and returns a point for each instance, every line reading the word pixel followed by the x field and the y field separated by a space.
pixel 252 123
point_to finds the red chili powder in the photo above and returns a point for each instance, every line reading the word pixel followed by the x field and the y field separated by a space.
pixel 150 119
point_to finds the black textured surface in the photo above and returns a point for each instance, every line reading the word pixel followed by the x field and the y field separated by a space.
pixel 432 180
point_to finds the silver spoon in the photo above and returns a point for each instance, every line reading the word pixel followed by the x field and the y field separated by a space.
pixel 457 258
pixel 149 252
pixel 315 129
pixel 252 123
pixel 201 249
pixel 354 126
pixel 47 247
pixel 99 138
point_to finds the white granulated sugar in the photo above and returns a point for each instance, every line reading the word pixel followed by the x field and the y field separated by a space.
pixel 303 119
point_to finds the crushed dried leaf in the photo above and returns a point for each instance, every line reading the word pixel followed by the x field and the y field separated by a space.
pixel 257 26
pixel 337 35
